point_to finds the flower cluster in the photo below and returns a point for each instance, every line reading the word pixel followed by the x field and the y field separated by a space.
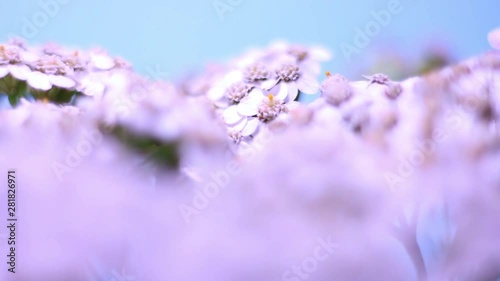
pixel 375 173
pixel 261 86
pixel 52 72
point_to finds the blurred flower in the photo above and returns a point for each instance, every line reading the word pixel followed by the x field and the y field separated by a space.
pixel 239 125
pixel 256 73
pixel 229 90
pixel 336 89
pixel 50 70
pixel 378 78
pixel 11 62
pixel 308 58
pixel 494 38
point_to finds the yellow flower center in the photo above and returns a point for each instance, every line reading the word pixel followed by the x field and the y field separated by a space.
pixel 271 99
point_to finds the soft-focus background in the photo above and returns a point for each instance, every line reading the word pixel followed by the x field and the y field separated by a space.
pixel 179 36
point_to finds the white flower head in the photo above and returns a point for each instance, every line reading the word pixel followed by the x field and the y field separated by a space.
pixel 393 90
pixel 261 104
pixel 256 72
pixel 100 60
pixel 288 73
pixel 336 89
pixel 230 89
pixel 254 111
pixel 10 62
pixel 237 91
pixel 76 61
pixel 378 78
pixel 494 38
pixel 309 58
pixel 51 64
pixel 270 108
pixel 235 136
pixel 50 70
pixel 291 79
pixel 9 54
pixel 239 125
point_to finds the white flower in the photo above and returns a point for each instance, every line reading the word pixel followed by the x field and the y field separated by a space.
pixel 378 78
pixel 308 58
pixel 253 111
pixel 269 108
pixel 237 91
pixel 494 38
pixel 9 54
pixel 93 84
pixel 239 125
pixel 256 73
pixel 393 89
pixel 76 61
pixel 336 89
pixel 10 63
pixel 230 89
pixel 101 61
pixel 291 80
pixel 50 70
pixel 265 107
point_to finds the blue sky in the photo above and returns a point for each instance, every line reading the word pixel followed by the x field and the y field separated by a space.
pixel 178 36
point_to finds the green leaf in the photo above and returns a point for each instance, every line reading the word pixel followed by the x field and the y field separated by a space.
pixel 61 96
pixel 14 100
pixel 18 92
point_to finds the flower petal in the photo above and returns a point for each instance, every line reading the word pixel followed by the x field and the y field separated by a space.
pixel 494 38
pixel 216 93
pixel 307 84
pixel 221 103
pixel 320 54
pixel 268 84
pixel 240 125
pixel 250 104
pixel 282 92
pixel 94 90
pixel 39 81
pixel 233 77
pixel 103 62
pixel 3 71
pixel 251 127
pixel 293 92
pixel 19 71
pixel 62 81
pixel 231 115
pixel 248 108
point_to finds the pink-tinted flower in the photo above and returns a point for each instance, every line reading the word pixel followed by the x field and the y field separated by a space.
pixel 11 62
pixel 336 89
pixel 494 38
pixel 229 90
pixel 50 71
pixel 308 58
pixel 291 79
pixel 239 125
pixel 101 61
